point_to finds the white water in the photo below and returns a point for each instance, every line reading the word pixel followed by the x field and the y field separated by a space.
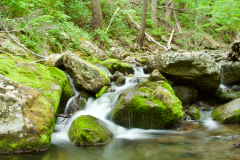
pixel 101 109
pixel 222 86
pixel 208 121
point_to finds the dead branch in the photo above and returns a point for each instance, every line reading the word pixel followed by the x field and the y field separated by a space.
pixel 147 35
pixel 177 22
pixel 24 47
pixel 170 40
pixel 174 8
pixel 112 18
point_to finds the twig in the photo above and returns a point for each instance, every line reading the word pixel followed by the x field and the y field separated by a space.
pixel 112 18
pixel 170 40
pixel 147 35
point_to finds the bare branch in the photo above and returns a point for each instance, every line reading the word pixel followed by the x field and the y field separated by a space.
pixel 112 18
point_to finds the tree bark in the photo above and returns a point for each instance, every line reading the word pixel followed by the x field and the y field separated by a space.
pixel 143 24
pixel 169 5
pixel 196 30
pixel 154 11
pixel 97 15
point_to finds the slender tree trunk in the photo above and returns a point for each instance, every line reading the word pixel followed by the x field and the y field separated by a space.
pixel 154 11
pixel 143 24
pixel 97 14
pixel 195 39
pixel 169 5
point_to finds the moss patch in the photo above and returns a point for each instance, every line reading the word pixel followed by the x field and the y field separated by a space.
pixel 103 90
pixel 87 130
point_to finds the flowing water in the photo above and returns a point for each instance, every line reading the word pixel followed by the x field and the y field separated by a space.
pixel 191 140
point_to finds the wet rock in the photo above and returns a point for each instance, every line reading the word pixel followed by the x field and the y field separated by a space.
pixel 120 81
pixel 230 72
pixel 186 116
pixel 85 75
pixel 130 75
pixel 55 60
pixel 151 105
pixel 229 113
pixel 116 65
pixel 156 76
pixel 26 118
pixel 194 69
pixel 116 75
pixel 87 130
pixel 185 94
pixel 236 88
pixel 124 55
pixel 227 95
pixel 194 113
pixel 141 60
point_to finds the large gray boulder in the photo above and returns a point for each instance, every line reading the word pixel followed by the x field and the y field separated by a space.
pixel 229 113
pixel 85 75
pixel 195 69
pixel 151 105
pixel 26 118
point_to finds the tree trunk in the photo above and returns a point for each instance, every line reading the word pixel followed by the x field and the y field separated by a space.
pixel 169 5
pixel 97 15
pixel 154 11
pixel 143 24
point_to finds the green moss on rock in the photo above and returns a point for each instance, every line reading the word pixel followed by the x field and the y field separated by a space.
pixel 88 130
pixel 103 90
pixel 149 106
pixel 116 65
pixel 193 112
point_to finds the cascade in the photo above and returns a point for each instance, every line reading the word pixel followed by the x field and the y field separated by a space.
pixel 222 86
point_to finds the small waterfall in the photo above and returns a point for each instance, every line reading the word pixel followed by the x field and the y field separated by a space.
pixel 207 120
pixel 101 108
pixel 222 86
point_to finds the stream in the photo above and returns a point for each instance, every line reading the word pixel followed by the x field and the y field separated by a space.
pixel 191 140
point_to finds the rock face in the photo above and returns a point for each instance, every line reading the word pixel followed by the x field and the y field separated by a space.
pixel 229 113
pixel 26 118
pixel 88 130
pixel 116 65
pixel 86 76
pixel 193 112
pixel 230 72
pixel 209 43
pixel 156 76
pixel 195 69
pixel 185 94
pixel 151 105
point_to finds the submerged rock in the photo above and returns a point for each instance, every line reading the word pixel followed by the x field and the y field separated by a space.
pixel 116 65
pixel 185 94
pixel 194 69
pixel 152 105
pixel 229 113
pixel 194 113
pixel 86 76
pixel 26 118
pixel 88 130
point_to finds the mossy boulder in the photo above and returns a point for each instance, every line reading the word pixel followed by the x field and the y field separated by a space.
pixel 156 76
pixel 186 94
pixel 151 105
pixel 26 118
pixel 51 82
pixel 229 113
pixel 193 69
pixel 194 113
pixel 116 65
pixel 88 130
pixel 227 96
pixel 85 75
